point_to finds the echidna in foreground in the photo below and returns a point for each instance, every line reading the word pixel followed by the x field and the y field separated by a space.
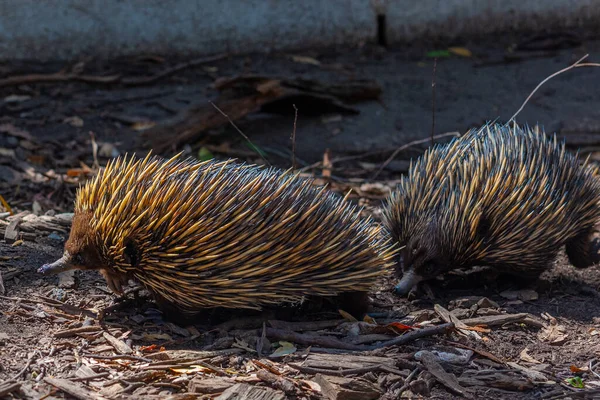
pixel 501 197
pixel 220 234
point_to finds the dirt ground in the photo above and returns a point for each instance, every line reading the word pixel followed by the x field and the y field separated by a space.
pixel 543 343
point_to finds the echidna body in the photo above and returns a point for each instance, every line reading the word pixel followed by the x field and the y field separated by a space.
pixel 501 197
pixel 220 234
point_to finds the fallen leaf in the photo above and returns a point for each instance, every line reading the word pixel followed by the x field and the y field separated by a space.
pixel 152 337
pixel 332 118
pixel 554 334
pixel 460 51
pixel 327 165
pixel 16 98
pixel 142 125
pixel 576 382
pixel 74 121
pixel 438 54
pixel 305 60
pixel 574 369
pixel 526 357
pixel 204 154
pixel 400 327
pixel 524 295
pixel 347 316
pixel 17 243
pixel 285 349
pixel 369 319
pixel 191 369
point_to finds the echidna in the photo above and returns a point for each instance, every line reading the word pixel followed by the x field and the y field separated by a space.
pixel 501 197
pixel 220 234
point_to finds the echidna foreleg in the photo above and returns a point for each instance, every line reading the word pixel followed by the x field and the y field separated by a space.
pixel 582 249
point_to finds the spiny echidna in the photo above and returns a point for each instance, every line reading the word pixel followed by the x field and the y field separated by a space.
pixel 501 197
pixel 220 234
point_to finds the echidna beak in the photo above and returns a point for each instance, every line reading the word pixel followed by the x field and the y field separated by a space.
pixel 409 280
pixel 60 265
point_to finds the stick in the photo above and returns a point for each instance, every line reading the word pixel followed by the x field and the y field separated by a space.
pixel 433 100
pixel 240 132
pixel 406 146
pixel 544 81
pixel 417 334
pixel 171 71
pixel 294 137
pixel 301 338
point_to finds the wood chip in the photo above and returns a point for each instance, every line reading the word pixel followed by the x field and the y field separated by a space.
pixel 447 316
pixel 338 388
pixel 76 390
pixel 244 391
pixel 210 385
pixel 449 380
pixel 11 234
pixel 119 345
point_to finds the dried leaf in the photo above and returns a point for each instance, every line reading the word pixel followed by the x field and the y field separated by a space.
pixel 305 60
pixel 347 316
pixel 142 125
pixel 574 369
pixel 285 349
pixel 369 319
pixel 152 337
pixel 191 369
pixel 400 327
pixel 74 121
pixel 327 165
pixel 460 51
pixel 16 132
pixel 17 243
pixel 16 98
pixel 524 295
pixel 554 334
pixel 526 357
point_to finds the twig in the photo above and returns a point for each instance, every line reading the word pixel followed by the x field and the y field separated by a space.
pixel 57 77
pixel 406 146
pixel 8 387
pixel 343 372
pixel 377 152
pixel 29 361
pixel 433 99
pixel 294 137
pixel 408 380
pixel 119 357
pixel 544 81
pixel 416 334
pixel 171 71
pixel 90 377
pixel 240 132
pixel 301 338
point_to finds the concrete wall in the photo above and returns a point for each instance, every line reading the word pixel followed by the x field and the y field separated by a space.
pixel 67 29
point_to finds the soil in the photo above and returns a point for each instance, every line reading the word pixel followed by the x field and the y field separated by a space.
pixel 468 90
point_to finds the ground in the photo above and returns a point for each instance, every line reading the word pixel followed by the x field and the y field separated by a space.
pixel 53 342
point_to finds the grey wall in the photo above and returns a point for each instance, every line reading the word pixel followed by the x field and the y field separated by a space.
pixel 66 29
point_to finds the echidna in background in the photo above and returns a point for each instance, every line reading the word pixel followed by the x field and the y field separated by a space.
pixel 220 234
pixel 500 197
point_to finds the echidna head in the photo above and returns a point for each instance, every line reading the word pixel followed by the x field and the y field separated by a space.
pixel 81 252
pixel 421 259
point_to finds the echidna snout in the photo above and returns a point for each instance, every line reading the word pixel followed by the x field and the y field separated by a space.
pixel 79 254
pixel 418 262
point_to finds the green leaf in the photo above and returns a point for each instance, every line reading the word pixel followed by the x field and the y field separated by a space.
pixel 204 154
pixel 438 54
pixel 285 349
pixel 575 382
